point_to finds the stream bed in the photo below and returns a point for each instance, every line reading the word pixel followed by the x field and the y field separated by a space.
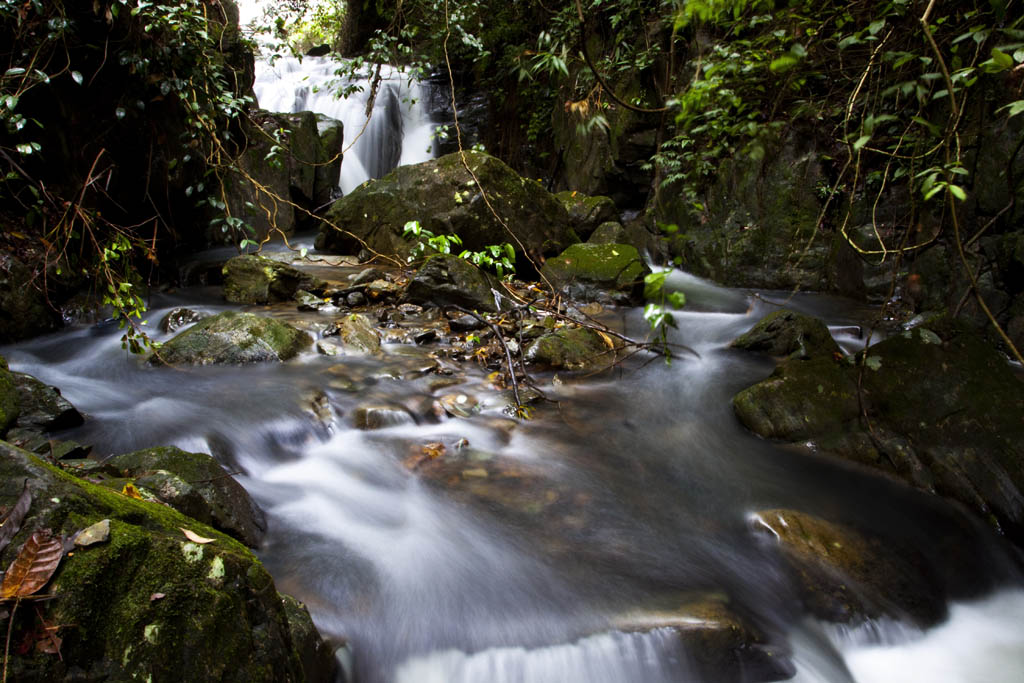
pixel 554 549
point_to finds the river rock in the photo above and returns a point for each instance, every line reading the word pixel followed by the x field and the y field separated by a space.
pixel 196 485
pixel 587 212
pixel 24 311
pixel 256 279
pixel 721 645
pixel 178 318
pixel 788 333
pixel 233 338
pixel 446 200
pixel 946 414
pixel 150 604
pixel 356 333
pixel 846 576
pixel 448 280
pixel 597 272
pixel 573 348
pixel 42 408
pixel 609 232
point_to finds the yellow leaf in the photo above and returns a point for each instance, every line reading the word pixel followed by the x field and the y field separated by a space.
pixel 194 537
pixel 130 491
pixel 607 340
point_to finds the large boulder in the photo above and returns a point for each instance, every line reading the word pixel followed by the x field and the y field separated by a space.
pixel 24 311
pixel 233 338
pixel 328 172
pixel 587 212
pixel 936 406
pixel 195 485
pixel 844 575
pixel 598 272
pixel 445 280
pixel 573 348
pixel 788 333
pixel 148 602
pixel 256 279
pixel 446 200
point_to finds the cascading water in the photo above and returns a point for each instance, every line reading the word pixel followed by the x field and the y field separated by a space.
pixel 398 130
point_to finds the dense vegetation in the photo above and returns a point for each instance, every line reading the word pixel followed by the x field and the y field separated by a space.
pixel 120 116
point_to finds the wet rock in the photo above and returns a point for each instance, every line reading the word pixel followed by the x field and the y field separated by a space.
pixel 444 197
pixel 381 416
pixel 355 299
pixel 946 414
pixel 587 212
pixel 609 232
pixel 457 405
pixel 148 604
pixel 24 311
pixel 42 408
pixel 367 276
pixel 382 290
pixel 788 333
pixel 256 279
pixel 356 333
pixel 328 170
pixel 10 403
pixel 445 280
pixel 464 323
pixel 721 645
pixel 196 485
pixel 846 576
pixel 178 318
pixel 598 272
pixel 233 338
pixel 572 348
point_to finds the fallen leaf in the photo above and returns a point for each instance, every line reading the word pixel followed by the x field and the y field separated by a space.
pixel 607 340
pixel 130 491
pixel 433 450
pixel 32 568
pixel 11 522
pixel 97 533
pixel 194 537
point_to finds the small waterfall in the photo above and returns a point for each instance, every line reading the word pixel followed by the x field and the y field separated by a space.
pixel 398 132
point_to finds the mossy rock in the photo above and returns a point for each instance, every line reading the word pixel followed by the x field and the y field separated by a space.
pixel 328 172
pixel 846 576
pixel 587 212
pixel 598 272
pixel 196 485
pixel 10 403
pixel 609 232
pixel 946 414
pixel 445 199
pixel 149 604
pixel 232 338
pixel 24 311
pixel 445 280
pixel 572 348
pixel 42 408
pixel 788 333
pixel 357 333
pixel 256 279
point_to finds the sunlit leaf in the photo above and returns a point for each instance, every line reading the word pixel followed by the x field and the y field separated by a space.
pixel 194 537
pixel 130 491
pixel 32 568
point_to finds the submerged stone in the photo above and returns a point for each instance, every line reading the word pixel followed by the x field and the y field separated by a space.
pixel 233 338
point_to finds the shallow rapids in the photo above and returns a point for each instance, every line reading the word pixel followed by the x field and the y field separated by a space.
pixel 560 548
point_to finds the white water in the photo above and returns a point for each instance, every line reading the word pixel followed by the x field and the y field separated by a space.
pixel 397 132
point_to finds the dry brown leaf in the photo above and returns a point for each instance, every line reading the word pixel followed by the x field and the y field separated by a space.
pixel 32 568
pixel 130 491
pixel 11 522
pixel 194 537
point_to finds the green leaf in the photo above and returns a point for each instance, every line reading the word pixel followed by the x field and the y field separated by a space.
pixel 860 142
pixel 1013 108
pixel 957 192
pixel 783 64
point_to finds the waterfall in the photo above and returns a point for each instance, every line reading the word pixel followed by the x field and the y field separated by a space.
pixel 398 131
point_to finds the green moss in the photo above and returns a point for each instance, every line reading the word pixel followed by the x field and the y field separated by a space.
pixel 10 404
pixel 234 338
pixel 613 266
pixel 571 348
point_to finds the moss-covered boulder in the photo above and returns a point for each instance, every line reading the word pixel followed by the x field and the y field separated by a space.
pixel 936 406
pixel 788 333
pixel 445 280
pixel 573 348
pixel 195 485
pixel 598 272
pixel 24 311
pixel 149 603
pixel 844 575
pixel 356 334
pixel 256 279
pixel 446 200
pixel 587 212
pixel 609 232
pixel 42 408
pixel 233 338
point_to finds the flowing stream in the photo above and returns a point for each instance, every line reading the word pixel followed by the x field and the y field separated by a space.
pixel 631 495
pixel 557 549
